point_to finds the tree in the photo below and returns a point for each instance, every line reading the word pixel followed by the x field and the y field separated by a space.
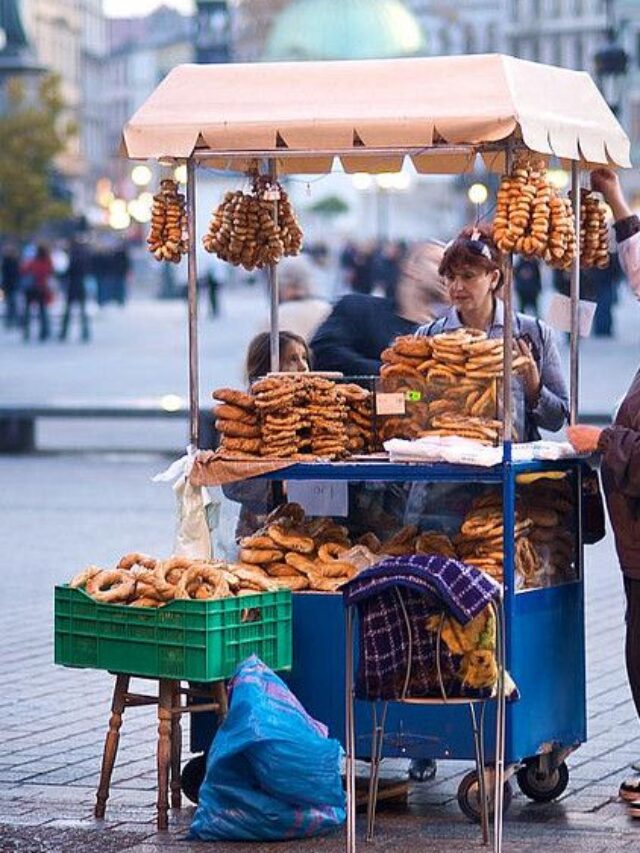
pixel 32 135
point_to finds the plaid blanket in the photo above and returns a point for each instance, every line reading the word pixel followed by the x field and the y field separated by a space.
pixel 399 660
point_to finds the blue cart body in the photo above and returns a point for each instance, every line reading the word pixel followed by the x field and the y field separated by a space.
pixel 545 644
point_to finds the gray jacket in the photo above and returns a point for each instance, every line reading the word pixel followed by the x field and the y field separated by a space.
pixel 552 408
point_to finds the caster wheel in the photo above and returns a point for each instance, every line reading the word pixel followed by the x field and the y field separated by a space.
pixel 540 786
pixel 469 797
pixel 422 769
pixel 192 776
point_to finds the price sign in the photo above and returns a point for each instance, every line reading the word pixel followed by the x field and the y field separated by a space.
pixel 326 497
pixel 390 403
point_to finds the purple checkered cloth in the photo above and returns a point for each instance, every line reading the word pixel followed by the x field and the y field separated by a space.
pixel 399 658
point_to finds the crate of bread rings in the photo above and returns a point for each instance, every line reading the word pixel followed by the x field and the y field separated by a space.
pixel 178 618
pixel 446 385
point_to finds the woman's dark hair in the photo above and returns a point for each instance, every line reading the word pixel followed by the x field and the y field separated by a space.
pixel 42 251
pixel 259 352
pixel 473 247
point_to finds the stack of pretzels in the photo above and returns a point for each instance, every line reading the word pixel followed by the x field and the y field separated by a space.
pixel 247 230
pixel 531 218
pixel 451 382
pixel 549 505
pixel 479 542
pixel 168 236
pixel 294 416
pixel 594 232
pixel 139 580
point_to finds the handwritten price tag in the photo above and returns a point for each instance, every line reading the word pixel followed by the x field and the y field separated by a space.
pixel 390 404
pixel 329 497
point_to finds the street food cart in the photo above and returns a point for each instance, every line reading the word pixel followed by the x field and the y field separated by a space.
pixel 441 114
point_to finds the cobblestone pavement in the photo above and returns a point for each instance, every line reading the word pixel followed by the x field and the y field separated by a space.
pixel 59 512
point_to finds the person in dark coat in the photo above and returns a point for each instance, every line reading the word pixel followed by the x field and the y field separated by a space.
pixel 36 281
pixel 76 293
pixel 10 284
pixel 360 326
pixel 619 445
pixel 528 284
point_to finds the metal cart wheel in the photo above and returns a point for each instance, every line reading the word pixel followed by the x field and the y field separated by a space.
pixel 469 797
pixel 541 785
pixel 192 776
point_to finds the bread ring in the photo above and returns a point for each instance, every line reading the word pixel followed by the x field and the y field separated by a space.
pixel 295 583
pixel 335 569
pixel 290 540
pixel 259 556
pixel 234 397
pixel 281 570
pixel 246 445
pixel 112 586
pixel 136 559
pixel 413 346
pixel 292 512
pixel 143 601
pixel 80 580
pixel 303 564
pixel 330 551
pixel 154 585
pixel 258 540
pixel 253 575
pixel 204 574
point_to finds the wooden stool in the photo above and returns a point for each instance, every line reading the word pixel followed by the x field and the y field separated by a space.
pixel 170 709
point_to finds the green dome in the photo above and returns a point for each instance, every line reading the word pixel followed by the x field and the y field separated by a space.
pixel 344 29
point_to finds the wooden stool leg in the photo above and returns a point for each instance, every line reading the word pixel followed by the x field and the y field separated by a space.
pixel 219 694
pixel 111 743
pixel 176 747
pixel 165 689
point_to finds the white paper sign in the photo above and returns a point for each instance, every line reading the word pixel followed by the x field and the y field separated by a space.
pixel 559 314
pixel 326 497
pixel 390 403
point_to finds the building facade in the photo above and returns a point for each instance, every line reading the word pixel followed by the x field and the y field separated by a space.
pixel 467 26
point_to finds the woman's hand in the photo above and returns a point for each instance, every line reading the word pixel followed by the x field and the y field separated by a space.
pixel 584 438
pixel 530 374
pixel 606 181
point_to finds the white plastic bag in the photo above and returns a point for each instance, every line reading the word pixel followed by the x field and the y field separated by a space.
pixel 193 511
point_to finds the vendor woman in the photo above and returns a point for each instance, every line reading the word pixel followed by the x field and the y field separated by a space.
pixel 472 269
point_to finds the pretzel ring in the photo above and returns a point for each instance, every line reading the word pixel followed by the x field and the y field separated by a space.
pixel 136 559
pixel 143 601
pixel 334 569
pixel 80 580
pixel 112 586
pixel 259 556
pixel 155 585
pixel 205 575
pixel 290 540
pixel 258 541
pixel 303 564
pixel 330 551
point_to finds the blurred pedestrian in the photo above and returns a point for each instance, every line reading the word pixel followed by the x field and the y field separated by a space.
pixel 528 283
pixel 120 267
pixel 73 282
pixel 385 268
pixel 360 326
pixel 10 284
pixel 299 309
pixel 36 285
pixel 603 285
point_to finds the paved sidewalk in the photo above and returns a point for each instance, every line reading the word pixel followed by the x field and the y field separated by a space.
pixel 91 508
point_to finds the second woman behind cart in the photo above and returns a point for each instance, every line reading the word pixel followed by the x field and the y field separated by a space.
pixel 472 267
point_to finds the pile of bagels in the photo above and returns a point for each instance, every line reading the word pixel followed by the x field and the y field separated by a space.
pixel 294 416
pixel 594 231
pixel 451 381
pixel 140 580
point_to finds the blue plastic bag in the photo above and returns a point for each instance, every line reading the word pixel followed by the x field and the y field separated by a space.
pixel 272 772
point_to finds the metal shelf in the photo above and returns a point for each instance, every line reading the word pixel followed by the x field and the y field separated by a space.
pixel 412 471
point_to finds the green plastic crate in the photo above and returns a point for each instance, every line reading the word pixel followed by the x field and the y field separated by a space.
pixel 189 640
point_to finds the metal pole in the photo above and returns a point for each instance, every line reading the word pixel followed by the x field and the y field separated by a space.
pixel 192 293
pixel 274 290
pixel 507 390
pixel 574 339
